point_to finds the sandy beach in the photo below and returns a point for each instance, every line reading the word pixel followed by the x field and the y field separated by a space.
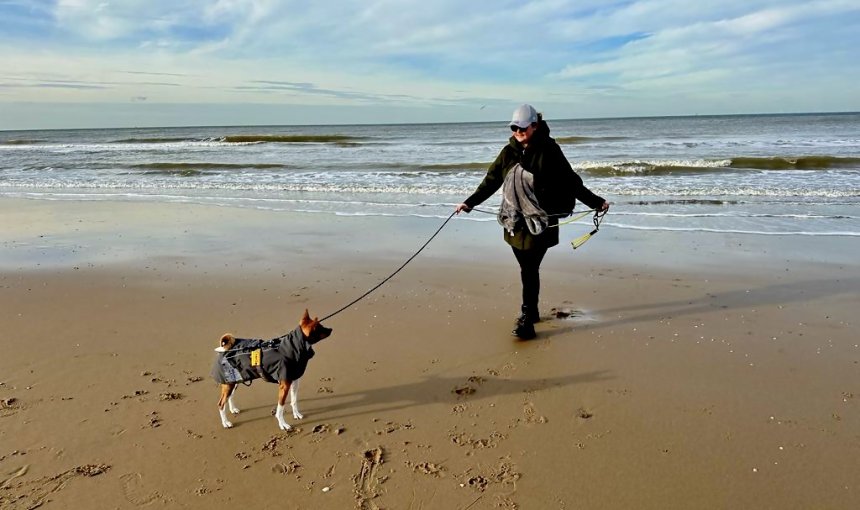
pixel 671 371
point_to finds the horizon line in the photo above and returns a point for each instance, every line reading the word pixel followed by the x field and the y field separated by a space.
pixel 349 124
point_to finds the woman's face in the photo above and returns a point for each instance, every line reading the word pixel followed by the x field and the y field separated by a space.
pixel 524 135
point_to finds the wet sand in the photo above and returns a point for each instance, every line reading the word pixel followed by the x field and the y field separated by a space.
pixel 670 370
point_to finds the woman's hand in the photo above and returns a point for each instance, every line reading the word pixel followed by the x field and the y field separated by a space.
pixel 604 207
pixel 462 207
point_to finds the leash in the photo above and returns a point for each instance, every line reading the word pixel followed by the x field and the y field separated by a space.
pixel 597 219
pixel 576 243
pixel 380 284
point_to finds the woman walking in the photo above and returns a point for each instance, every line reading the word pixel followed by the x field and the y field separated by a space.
pixel 538 187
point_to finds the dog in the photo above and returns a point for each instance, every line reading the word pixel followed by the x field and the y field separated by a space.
pixel 282 360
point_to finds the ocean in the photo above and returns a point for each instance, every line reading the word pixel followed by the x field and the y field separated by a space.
pixel 760 175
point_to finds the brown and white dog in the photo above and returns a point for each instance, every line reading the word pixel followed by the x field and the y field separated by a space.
pixel 281 360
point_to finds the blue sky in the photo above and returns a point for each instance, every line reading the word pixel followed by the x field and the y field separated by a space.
pixel 100 63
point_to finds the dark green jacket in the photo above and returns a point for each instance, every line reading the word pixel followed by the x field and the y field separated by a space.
pixel 557 186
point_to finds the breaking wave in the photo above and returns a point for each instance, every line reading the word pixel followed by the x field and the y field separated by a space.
pixel 795 163
pixel 336 139
pixel 162 140
pixel 205 166
pixel 430 167
pixel 20 142
pixel 588 139
pixel 670 167
pixel 244 139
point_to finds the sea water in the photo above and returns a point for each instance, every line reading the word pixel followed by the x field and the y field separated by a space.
pixel 757 175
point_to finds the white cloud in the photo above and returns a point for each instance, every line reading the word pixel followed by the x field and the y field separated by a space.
pixel 591 54
pixel 708 45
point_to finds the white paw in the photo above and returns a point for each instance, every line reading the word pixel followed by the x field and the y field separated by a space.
pixel 227 424
pixel 234 410
pixel 284 426
pixel 297 415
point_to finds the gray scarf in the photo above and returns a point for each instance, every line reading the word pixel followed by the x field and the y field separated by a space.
pixel 519 202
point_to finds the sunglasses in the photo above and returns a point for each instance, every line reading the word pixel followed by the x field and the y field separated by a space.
pixel 517 129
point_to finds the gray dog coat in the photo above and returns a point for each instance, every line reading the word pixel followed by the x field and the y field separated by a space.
pixel 284 358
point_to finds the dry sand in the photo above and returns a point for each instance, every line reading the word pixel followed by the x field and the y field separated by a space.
pixel 690 371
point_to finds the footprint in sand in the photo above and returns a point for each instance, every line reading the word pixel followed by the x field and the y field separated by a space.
pixel 505 474
pixel 367 482
pixel 36 493
pixel 134 491
pixel 531 415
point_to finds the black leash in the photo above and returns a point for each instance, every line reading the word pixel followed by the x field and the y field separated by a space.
pixel 356 300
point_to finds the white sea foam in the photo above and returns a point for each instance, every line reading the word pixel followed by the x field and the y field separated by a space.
pixel 735 231
pixel 641 165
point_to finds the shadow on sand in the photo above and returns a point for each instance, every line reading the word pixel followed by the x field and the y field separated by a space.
pixel 770 295
pixel 429 390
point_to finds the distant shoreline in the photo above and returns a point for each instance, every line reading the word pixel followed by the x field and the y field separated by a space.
pixel 500 122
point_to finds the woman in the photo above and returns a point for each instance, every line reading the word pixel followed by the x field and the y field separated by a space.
pixel 538 187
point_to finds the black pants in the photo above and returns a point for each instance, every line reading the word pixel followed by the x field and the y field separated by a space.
pixel 529 261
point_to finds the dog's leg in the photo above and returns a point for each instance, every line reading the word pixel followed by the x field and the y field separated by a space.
pixel 226 396
pixel 283 388
pixel 231 405
pixel 294 400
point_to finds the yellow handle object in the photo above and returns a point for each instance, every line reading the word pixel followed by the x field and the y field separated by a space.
pixel 579 241
pixel 255 357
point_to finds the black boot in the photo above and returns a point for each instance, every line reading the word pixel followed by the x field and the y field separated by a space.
pixel 525 329
pixel 528 314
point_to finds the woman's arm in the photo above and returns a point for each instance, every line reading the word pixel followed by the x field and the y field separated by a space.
pixel 491 183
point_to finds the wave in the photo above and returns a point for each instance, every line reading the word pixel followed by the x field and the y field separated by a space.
pixel 430 167
pixel 307 183
pixel 20 142
pixel 162 140
pixel 245 139
pixel 664 167
pixel 847 233
pixel 654 167
pixel 736 215
pixel 795 163
pixel 206 166
pixel 455 166
pixel 197 169
pixel 678 167
pixel 587 139
pixel 181 172
pixel 336 139
pixel 685 201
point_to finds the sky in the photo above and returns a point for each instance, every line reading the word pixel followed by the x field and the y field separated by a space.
pixel 101 63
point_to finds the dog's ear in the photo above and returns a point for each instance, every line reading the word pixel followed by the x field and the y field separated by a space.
pixel 306 317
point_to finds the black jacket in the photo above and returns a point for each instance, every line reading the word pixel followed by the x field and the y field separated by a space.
pixel 557 186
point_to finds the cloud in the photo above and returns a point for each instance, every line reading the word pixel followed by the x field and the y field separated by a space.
pixel 706 51
pixel 578 56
